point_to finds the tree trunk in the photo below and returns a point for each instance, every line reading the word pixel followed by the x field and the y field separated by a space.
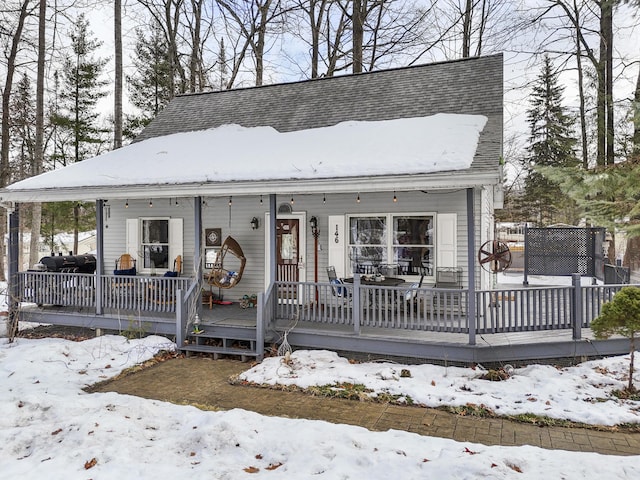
pixel 195 62
pixel 466 29
pixel 608 41
pixel 636 119
pixel 358 35
pixel 583 117
pixel 117 107
pixel 4 149
pixel 38 160
pixel 632 347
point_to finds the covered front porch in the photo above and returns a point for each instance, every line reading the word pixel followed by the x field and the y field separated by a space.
pixel 420 323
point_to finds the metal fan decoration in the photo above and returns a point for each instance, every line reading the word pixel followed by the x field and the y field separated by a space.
pixel 494 256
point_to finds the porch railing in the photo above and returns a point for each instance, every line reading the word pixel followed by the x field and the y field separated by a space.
pixel 134 293
pixel 63 289
pixel 444 310
pixel 350 307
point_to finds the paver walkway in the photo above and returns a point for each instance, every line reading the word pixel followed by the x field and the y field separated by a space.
pixel 204 381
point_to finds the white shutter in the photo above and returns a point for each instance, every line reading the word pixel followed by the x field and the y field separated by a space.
pixel 175 240
pixel 336 242
pixel 446 234
pixel 132 242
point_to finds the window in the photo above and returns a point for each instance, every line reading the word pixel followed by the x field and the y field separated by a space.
pixel 413 244
pixel 402 243
pixel 155 242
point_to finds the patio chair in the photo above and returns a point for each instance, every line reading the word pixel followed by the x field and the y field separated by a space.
pixel 177 268
pixel 125 265
pixel 221 274
pixel 331 273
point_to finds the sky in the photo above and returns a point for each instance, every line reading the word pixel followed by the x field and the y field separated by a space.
pixel 416 145
pixel 51 428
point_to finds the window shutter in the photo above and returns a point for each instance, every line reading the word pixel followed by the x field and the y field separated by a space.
pixel 132 242
pixel 336 244
pixel 446 247
pixel 175 240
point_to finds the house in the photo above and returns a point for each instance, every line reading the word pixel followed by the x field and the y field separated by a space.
pixel 394 172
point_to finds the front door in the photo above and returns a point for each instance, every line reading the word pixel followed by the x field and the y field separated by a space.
pixel 290 253
pixel 288 256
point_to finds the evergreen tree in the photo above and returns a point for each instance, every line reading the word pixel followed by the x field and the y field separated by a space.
pixel 150 87
pixel 551 143
pixel 76 117
pixel 81 88
pixel 22 116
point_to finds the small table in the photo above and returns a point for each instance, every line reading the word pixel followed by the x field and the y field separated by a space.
pixel 387 282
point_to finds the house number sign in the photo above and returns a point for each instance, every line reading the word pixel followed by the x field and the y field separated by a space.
pixel 337 235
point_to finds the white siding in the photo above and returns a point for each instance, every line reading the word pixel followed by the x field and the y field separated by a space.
pixel 235 221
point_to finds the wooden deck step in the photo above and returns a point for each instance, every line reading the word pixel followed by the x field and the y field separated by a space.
pixel 223 340
pixel 216 351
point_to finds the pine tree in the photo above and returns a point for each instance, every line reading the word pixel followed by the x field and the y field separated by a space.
pixel 551 143
pixel 81 89
pixel 22 114
pixel 150 86
pixel 76 117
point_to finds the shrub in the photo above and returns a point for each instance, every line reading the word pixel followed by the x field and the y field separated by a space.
pixel 621 316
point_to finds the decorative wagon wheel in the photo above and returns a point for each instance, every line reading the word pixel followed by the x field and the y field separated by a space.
pixel 494 256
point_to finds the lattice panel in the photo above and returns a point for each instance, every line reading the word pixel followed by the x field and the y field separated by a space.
pixel 564 251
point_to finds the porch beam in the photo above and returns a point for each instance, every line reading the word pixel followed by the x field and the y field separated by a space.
pixel 471 264
pixel 99 254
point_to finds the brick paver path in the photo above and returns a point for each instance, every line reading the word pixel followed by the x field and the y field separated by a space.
pixel 204 381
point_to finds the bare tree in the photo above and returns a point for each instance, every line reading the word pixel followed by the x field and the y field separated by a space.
pixel 16 37
pixel 167 14
pixel 253 19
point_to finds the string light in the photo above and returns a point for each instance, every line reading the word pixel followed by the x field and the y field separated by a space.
pixel 395 199
pixel 260 199
pixel 150 203
pixel 126 205
pixel 230 201
pixel 358 198
pixel 324 198
pixel 292 200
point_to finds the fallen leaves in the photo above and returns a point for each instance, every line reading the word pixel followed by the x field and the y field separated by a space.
pixel 90 463
pixel 251 469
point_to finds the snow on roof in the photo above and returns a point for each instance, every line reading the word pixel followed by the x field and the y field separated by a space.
pixel 442 142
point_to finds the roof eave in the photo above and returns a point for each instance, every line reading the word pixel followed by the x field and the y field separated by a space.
pixel 431 181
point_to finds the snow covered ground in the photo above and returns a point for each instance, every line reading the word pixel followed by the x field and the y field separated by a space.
pixel 51 428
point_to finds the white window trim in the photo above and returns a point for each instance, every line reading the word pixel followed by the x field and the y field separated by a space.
pixel 134 242
pixel 390 245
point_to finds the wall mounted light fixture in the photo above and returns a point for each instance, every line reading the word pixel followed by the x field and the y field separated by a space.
pixel 313 221
pixel 255 223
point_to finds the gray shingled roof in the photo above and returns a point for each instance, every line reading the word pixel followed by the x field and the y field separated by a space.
pixel 469 86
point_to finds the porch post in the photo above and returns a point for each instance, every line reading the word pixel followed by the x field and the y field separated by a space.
pixel 471 266
pixel 99 254
pixel 197 241
pixel 14 251
pixel 273 248
pixel 576 304
pixel 273 251
pixel 355 303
